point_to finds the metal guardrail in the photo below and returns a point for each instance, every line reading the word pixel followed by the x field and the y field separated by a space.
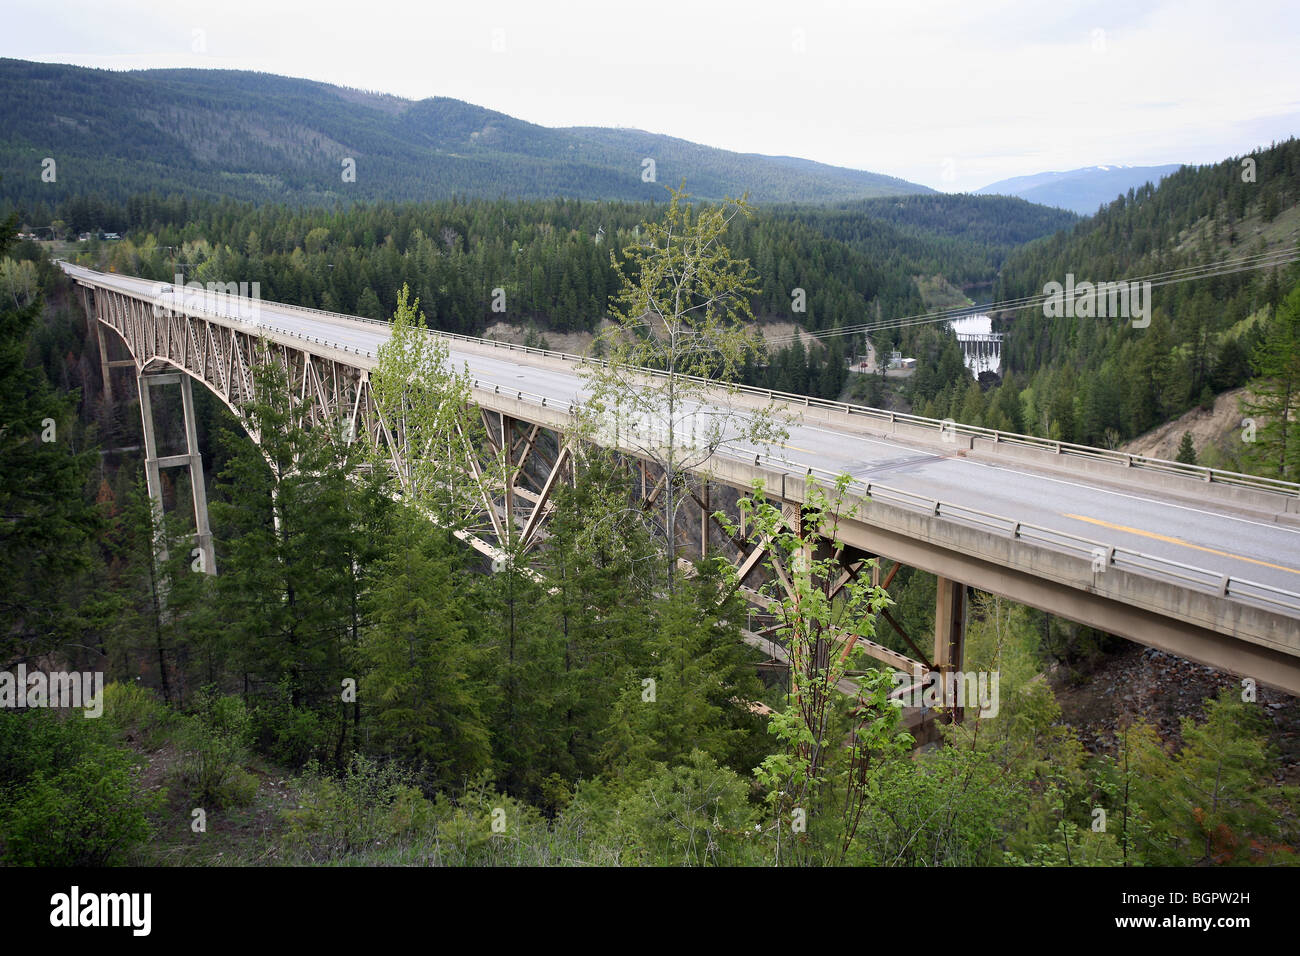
pixel 940 426
pixel 1223 585
pixel 1211 581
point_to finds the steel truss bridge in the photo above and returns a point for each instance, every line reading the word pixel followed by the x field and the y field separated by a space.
pixel 1195 561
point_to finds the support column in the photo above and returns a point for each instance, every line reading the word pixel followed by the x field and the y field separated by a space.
pixel 191 458
pixel 106 364
pixel 198 486
pixel 949 634
pixel 511 477
pixel 151 476
pixel 105 367
pixel 704 520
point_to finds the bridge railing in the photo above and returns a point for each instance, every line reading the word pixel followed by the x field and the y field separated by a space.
pixel 1099 552
pixel 941 427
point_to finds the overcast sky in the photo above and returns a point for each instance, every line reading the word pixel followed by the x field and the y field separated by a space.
pixel 954 95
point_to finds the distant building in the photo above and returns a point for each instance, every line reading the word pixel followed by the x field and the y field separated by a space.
pixel 908 363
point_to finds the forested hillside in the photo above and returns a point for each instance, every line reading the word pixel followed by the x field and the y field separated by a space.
pixel 1101 381
pixel 552 258
pixel 961 237
pixel 256 136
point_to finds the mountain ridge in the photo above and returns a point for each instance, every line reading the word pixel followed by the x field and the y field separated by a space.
pixel 1083 190
pixel 266 137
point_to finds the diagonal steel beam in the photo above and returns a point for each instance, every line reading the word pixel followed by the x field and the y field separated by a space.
pixel 530 529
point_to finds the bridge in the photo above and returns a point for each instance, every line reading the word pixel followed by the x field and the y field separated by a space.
pixel 1195 561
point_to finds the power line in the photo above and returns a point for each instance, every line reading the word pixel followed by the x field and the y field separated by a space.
pixel 1183 274
pixel 1157 279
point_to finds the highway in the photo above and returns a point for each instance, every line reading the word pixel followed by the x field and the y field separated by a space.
pixel 1206 534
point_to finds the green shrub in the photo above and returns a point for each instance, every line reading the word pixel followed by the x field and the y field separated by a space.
pixel 136 713
pixel 226 716
pixel 694 814
pixel 214 748
pixel 36 741
pixel 485 828
pixel 68 794
pixel 370 805
pixel 239 789
pixel 287 735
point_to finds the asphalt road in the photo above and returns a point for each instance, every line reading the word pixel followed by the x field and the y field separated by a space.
pixel 1205 535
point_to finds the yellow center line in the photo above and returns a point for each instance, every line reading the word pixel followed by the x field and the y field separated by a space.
pixel 1179 541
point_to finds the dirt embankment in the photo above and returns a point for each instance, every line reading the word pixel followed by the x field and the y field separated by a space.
pixel 1218 426
pixel 777 334
pixel 1133 682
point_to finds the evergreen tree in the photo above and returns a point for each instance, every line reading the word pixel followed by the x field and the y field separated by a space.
pixel 46 519
pixel 162 598
pixel 287 584
pixel 1275 392
pixel 599 563
pixel 423 669
pixel 1212 802
pixel 696 690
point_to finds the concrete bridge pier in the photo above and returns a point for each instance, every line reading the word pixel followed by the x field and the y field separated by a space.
pixel 190 459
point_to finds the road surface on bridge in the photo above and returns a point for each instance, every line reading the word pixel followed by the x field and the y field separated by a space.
pixel 1214 536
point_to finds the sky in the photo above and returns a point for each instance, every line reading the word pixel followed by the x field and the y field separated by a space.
pixel 953 95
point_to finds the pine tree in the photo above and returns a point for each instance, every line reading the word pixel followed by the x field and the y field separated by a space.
pixel 1187 450
pixel 1212 802
pixel 48 521
pixel 423 670
pixel 599 563
pixel 1275 391
pixel 695 691
pixel 291 516
pixel 163 614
